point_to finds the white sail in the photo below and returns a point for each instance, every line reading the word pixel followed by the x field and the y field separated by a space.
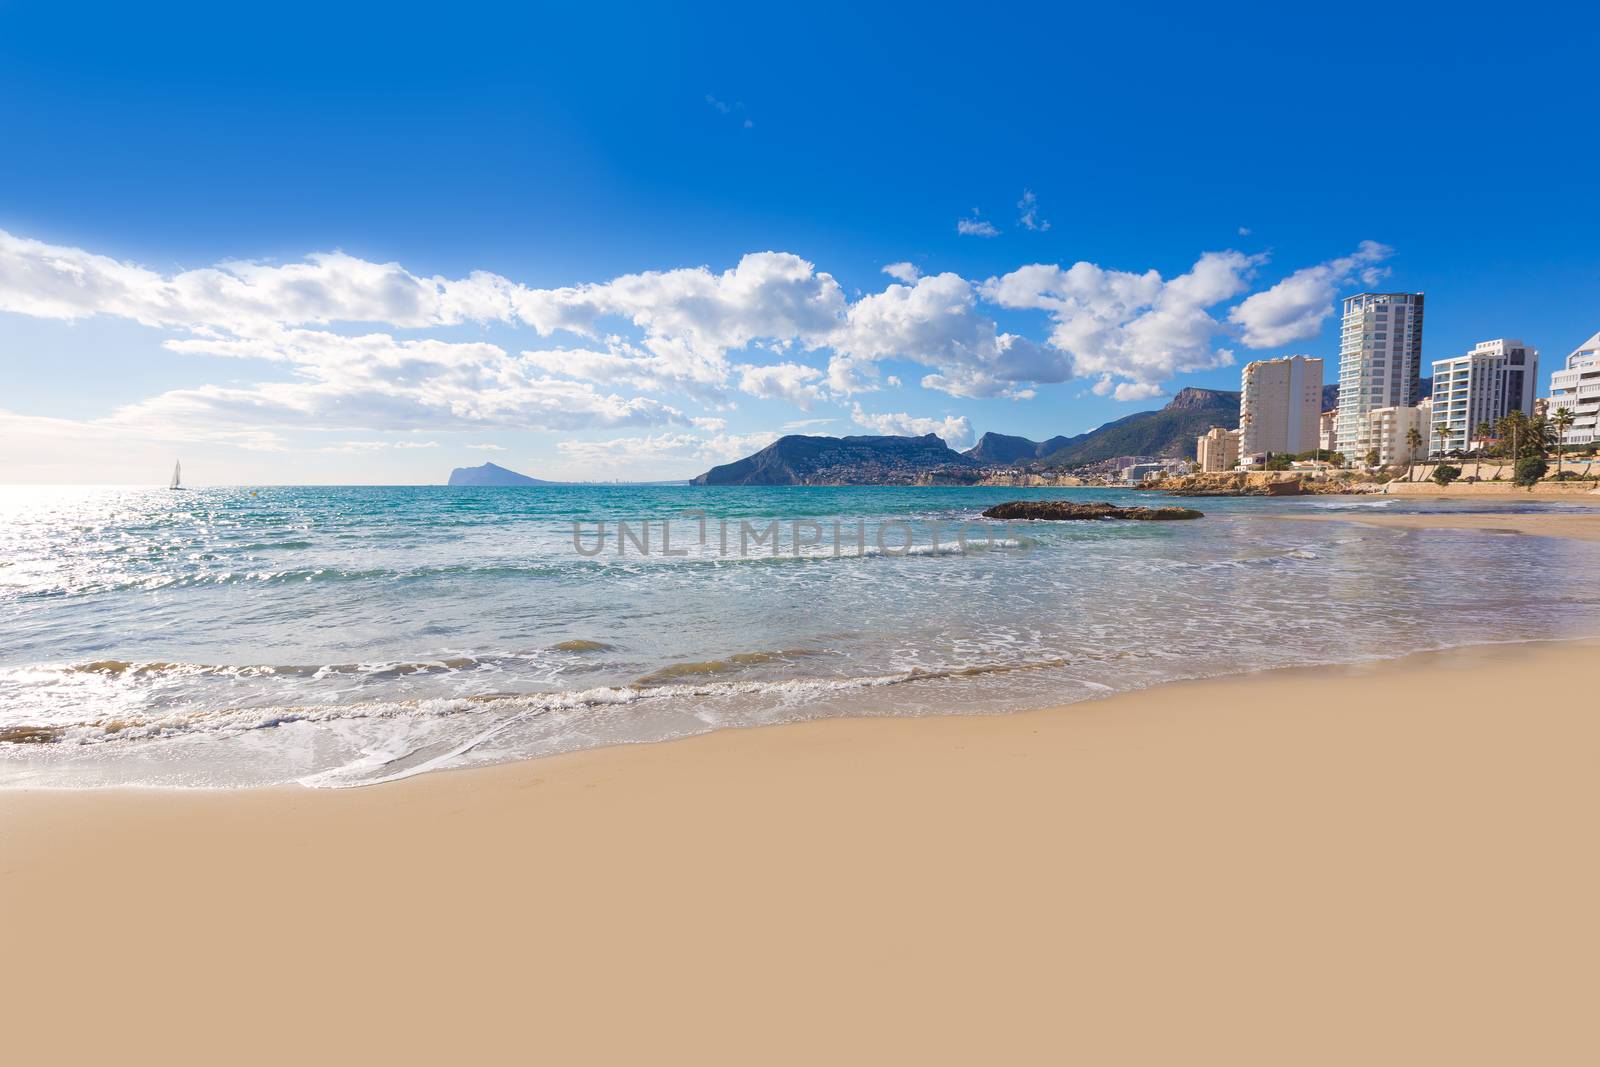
pixel 177 473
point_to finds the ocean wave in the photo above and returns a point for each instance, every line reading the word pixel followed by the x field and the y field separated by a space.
pixel 1353 505
pixel 659 687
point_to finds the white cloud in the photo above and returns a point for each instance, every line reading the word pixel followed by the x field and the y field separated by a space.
pixel 976 226
pixel 793 382
pixel 54 281
pixel 1137 391
pixel 691 313
pixel 1121 325
pixel 1244 231
pixel 1028 212
pixel 936 323
pixel 655 456
pixel 1296 307
pixel 377 446
pixel 801 424
pixel 954 429
pixel 486 447
pixel 640 336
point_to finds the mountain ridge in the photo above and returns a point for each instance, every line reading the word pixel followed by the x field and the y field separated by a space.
pixel 800 459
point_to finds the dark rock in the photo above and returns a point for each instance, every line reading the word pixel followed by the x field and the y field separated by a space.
pixel 1070 509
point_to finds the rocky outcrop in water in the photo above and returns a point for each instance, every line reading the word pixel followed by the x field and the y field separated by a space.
pixel 1070 509
pixel 490 474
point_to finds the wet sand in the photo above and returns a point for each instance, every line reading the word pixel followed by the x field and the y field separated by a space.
pixel 1569 525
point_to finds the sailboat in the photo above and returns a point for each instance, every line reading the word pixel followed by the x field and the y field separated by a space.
pixel 177 475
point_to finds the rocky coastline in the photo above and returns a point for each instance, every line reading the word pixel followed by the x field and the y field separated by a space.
pixel 1058 510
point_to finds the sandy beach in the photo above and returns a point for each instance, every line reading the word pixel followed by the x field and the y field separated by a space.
pixel 1572 526
pixel 1381 864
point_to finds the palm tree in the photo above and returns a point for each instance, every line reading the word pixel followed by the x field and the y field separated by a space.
pixel 1444 432
pixel 1561 420
pixel 1414 443
pixel 1485 431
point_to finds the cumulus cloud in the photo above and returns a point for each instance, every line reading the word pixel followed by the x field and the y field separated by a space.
pixel 956 430
pixel 793 382
pixel 1296 307
pixel 936 323
pixel 377 446
pixel 771 326
pixel 976 226
pixel 694 313
pixel 1028 212
pixel 1118 325
pixel 55 281
pixel 651 456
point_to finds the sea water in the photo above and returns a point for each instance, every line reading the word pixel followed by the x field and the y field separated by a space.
pixel 341 636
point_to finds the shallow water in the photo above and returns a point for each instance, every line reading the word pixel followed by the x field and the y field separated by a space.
pixel 339 636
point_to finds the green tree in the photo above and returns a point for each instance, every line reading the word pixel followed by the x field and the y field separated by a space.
pixel 1444 474
pixel 1485 431
pixel 1414 443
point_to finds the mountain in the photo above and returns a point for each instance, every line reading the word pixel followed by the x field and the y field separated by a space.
pixel 1001 449
pixel 802 460
pixel 491 474
pixel 1168 432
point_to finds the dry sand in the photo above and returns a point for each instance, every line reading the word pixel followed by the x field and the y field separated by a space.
pixel 1393 864
pixel 1572 526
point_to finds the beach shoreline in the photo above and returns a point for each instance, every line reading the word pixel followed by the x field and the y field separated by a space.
pixel 1565 525
pixel 1291 866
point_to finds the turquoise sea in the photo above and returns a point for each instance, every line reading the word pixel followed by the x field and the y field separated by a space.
pixel 340 636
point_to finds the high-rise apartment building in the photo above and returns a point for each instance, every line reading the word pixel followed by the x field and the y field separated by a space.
pixel 1280 405
pixel 1483 386
pixel 1577 388
pixel 1217 450
pixel 1380 363
pixel 1392 429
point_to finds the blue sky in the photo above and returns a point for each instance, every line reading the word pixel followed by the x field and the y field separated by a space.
pixel 558 155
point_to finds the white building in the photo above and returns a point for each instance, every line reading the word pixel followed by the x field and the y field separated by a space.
pixel 1280 406
pixel 1217 450
pixel 1328 433
pixel 1380 363
pixel 1140 471
pixel 1577 388
pixel 1390 432
pixel 1483 386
